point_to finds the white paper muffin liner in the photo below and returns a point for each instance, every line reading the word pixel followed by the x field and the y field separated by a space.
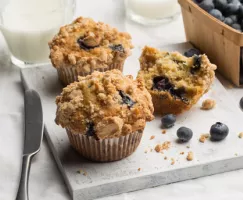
pixel 105 150
pixel 69 75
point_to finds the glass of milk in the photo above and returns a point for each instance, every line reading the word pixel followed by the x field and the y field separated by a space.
pixel 28 26
pixel 152 12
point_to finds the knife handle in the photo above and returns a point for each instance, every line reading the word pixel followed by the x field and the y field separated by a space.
pixel 24 179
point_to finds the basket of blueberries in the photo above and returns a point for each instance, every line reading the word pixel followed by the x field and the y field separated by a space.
pixel 216 28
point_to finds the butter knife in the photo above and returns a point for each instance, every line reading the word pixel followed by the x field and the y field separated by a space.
pixel 33 138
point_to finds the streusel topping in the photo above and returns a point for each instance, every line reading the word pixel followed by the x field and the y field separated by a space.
pixel 105 105
pixel 88 44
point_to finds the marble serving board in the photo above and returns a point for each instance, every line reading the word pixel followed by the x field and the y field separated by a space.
pixel 145 168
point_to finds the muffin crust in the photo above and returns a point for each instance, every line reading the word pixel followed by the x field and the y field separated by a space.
pixel 110 103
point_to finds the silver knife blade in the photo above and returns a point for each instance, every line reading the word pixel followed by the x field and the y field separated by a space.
pixel 33 122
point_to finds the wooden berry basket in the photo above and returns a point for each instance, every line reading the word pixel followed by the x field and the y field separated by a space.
pixel 220 42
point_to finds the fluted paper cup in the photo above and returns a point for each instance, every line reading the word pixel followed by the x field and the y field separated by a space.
pixel 69 75
pixel 105 150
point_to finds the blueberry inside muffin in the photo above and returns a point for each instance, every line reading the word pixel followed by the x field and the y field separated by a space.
pixel 175 82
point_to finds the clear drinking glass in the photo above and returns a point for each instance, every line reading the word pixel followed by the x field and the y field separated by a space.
pixel 152 12
pixel 28 26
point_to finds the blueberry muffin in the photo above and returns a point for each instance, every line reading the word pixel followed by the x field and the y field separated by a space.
pixel 86 46
pixel 174 81
pixel 104 114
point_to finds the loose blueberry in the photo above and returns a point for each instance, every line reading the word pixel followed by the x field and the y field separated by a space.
pixel 234 18
pixel 236 27
pixel 126 99
pixel 90 131
pixel 184 134
pixel 219 131
pixel 168 121
pixel 117 47
pixel 228 21
pixel 232 8
pixel 207 5
pixel 221 4
pixel 217 14
pixel 240 11
pixel 192 52
pixel 241 103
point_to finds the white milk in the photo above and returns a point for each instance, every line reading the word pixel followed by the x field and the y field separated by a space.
pixel 153 9
pixel 28 26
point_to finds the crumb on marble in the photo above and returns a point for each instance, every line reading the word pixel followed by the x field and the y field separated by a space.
pixel 190 156
pixel 139 169
pixel 163 131
pixel 188 147
pixel 146 151
pixel 158 148
pixel 208 104
pixel 182 153
pixel 241 135
pixel 172 161
pixel 204 137
pixel 165 158
pixel 152 137
pixel 85 173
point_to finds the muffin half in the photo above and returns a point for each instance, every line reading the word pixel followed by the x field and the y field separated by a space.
pixel 86 46
pixel 104 114
pixel 174 81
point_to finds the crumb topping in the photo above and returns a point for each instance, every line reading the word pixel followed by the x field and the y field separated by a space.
pixel 208 104
pixel 89 45
pixel 152 137
pixel 160 147
pixel 94 105
pixel 204 137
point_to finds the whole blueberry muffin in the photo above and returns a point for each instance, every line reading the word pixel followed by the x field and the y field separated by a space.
pixel 86 46
pixel 104 114
pixel 174 81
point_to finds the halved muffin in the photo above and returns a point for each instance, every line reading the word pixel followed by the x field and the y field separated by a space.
pixel 85 46
pixel 174 81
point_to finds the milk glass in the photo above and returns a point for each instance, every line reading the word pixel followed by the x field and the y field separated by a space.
pixel 28 26
pixel 152 12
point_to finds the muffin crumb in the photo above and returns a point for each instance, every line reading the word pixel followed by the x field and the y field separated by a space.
pixel 146 151
pixel 172 161
pixel 158 148
pixel 164 131
pixel 190 156
pixel 165 158
pixel 203 137
pixel 182 153
pixel 208 104
pixel 188 147
pixel 241 135
pixel 139 169
pixel 152 137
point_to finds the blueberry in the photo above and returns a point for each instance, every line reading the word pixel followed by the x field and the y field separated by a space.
pixel 207 5
pixel 234 18
pixel 241 103
pixel 90 131
pixel 168 120
pixel 232 8
pixel 192 52
pixel 117 47
pixel 217 14
pixel 184 134
pixel 82 45
pixel 126 99
pixel 162 83
pixel 197 64
pixel 220 4
pixel 240 11
pixel 228 21
pixel 236 26
pixel 219 131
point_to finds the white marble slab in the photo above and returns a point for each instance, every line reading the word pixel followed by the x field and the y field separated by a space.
pixel 104 179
